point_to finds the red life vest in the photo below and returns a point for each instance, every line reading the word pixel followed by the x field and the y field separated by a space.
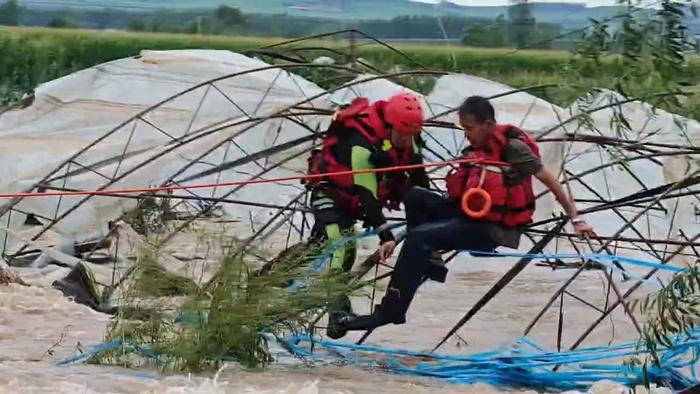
pixel 365 119
pixel 512 205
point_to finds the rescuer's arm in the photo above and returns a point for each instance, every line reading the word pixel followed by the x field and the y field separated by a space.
pixel 524 161
pixel 581 227
pixel 366 187
pixel 548 179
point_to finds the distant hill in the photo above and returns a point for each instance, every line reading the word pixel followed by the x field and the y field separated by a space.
pixel 569 16
pixel 568 13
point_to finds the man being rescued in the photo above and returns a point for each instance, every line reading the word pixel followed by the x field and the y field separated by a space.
pixel 363 136
pixel 436 223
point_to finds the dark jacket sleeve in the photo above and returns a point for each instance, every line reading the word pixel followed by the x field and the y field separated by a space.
pixel 419 176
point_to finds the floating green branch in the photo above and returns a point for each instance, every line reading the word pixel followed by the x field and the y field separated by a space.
pixel 672 311
pixel 224 323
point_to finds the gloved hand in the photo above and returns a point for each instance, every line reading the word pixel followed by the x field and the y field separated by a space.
pixel 393 205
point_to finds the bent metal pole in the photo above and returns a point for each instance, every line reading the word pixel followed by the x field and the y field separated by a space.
pixel 504 281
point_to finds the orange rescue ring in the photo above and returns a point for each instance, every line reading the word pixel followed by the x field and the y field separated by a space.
pixel 482 197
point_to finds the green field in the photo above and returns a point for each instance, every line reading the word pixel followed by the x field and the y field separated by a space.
pixel 31 56
pixel 565 13
pixel 358 9
pixel 35 55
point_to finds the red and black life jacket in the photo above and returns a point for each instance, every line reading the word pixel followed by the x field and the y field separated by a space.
pixel 363 118
pixel 512 205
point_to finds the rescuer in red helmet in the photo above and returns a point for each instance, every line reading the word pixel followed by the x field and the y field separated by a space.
pixel 364 136
pixel 437 223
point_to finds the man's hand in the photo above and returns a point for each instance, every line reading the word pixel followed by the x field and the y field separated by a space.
pixel 386 250
pixel 583 229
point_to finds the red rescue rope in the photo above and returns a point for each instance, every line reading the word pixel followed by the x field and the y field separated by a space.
pixel 248 182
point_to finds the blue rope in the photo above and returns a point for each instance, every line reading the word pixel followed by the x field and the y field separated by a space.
pixel 612 262
pixel 93 351
pixel 113 345
pixel 320 262
pixel 602 258
pixel 607 260
pixel 515 366
pixel 523 363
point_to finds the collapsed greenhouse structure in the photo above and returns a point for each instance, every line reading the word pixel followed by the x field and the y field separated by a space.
pixel 178 146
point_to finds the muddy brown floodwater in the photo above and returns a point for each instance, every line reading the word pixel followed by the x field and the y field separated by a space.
pixel 39 327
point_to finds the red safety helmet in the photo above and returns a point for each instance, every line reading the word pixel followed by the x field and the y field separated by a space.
pixel 404 113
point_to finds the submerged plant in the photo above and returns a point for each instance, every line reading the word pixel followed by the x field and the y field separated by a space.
pixel 194 328
pixel 673 311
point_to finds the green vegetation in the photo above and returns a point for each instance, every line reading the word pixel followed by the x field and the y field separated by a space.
pixel 502 33
pixel 182 326
pixel 232 21
pixel 344 9
pixel 35 55
pixel 673 310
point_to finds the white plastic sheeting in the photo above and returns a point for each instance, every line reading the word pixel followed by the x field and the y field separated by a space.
pixel 633 174
pixel 96 99
pixel 371 87
pixel 521 109
pixel 72 112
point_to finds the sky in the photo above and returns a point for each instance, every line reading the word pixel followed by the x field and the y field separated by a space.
pixel 590 3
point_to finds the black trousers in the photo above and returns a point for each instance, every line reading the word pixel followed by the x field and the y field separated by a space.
pixel 433 223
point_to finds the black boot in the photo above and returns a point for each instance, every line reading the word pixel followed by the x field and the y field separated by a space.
pixel 340 308
pixel 391 310
pixel 437 273
pixel 352 322
pixel 437 270
pixel 336 327
pixel 360 323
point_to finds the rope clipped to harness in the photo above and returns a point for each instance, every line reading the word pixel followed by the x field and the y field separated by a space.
pixel 476 202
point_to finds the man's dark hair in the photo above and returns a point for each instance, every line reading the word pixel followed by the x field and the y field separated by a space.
pixel 479 107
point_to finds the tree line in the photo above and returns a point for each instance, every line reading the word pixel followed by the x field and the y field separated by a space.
pixel 517 29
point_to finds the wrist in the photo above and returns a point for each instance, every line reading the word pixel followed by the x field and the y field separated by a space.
pixel 577 220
